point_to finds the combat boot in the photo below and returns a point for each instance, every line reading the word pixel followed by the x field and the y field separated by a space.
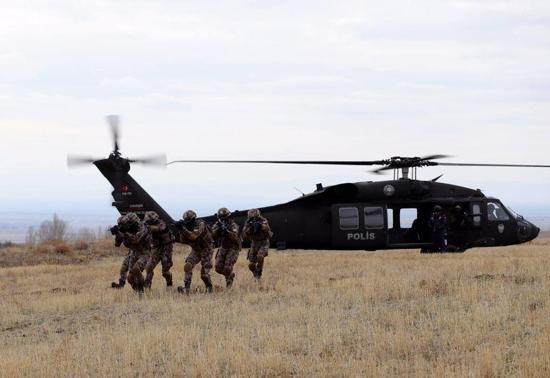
pixel 139 287
pixel 207 282
pixel 229 280
pixel 257 274
pixel 118 285
pixel 185 289
pixel 168 280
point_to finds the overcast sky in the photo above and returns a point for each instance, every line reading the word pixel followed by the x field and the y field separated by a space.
pixel 270 80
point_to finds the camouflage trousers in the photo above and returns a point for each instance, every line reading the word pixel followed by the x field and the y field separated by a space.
pixel 225 259
pixel 124 268
pixel 256 254
pixel 136 263
pixel 196 256
pixel 162 254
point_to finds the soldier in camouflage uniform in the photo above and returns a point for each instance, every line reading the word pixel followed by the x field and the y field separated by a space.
pixel 138 239
pixel 162 245
pixel 118 234
pixel 226 235
pixel 197 234
pixel 257 230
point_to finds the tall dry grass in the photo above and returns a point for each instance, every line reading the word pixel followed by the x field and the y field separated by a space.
pixel 483 313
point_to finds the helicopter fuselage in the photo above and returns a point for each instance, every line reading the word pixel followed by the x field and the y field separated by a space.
pixel 392 215
pixel 361 216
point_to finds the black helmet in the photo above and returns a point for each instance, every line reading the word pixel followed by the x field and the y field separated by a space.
pixel 437 208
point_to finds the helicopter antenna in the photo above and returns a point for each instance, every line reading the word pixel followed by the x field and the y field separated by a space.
pixel 299 191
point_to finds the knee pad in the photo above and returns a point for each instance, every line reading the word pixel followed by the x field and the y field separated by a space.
pixel 187 267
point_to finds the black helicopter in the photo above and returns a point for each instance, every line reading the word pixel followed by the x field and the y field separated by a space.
pixel 368 215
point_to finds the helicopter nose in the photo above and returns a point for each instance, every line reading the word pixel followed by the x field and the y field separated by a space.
pixel 534 231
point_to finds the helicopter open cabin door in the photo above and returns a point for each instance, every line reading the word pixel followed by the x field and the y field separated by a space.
pixel 359 226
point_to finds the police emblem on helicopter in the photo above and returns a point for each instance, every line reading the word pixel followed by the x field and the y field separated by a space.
pixel 389 190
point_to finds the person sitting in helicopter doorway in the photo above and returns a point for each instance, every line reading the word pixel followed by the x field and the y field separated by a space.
pixel 257 230
pixel 459 217
pixel 196 233
pixel 163 243
pixel 226 235
pixel 438 226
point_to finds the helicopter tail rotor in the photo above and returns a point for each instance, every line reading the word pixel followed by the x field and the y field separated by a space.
pixel 75 161
pixel 114 123
pixel 115 157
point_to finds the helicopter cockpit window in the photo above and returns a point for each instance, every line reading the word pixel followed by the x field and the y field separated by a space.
pixel 374 217
pixel 349 218
pixel 496 212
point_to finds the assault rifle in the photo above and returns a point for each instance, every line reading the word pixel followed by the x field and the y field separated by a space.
pixel 224 227
pixel 123 228
pixel 255 225
pixel 183 223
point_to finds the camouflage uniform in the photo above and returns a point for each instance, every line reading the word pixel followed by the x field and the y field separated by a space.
pixel 226 234
pixel 257 230
pixel 197 234
pixel 118 242
pixel 139 243
pixel 162 245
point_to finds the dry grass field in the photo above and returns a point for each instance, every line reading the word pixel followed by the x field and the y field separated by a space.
pixel 483 313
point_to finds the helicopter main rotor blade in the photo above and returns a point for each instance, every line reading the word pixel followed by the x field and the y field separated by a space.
pixel 494 165
pixel 156 160
pixel 304 162
pixel 114 122
pixel 435 157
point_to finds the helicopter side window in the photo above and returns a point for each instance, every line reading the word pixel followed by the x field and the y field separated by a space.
pixel 407 216
pixel 496 212
pixel 374 217
pixel 349 218
pixel 476 214
pixel 390 218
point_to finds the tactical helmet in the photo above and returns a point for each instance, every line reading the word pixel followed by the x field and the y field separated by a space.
pixel 437 208
pixel 223 213
pixel 151 217
pixel 132 218
pixel 253 213
pixel 189 215
pixel 121 219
